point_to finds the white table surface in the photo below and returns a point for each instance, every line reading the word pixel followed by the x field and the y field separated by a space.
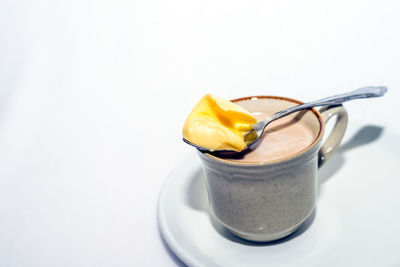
pixel 93 95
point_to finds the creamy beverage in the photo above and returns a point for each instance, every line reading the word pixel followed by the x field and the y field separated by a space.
pixel 282 138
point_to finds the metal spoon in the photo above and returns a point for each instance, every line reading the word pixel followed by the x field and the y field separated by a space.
pixel 259 127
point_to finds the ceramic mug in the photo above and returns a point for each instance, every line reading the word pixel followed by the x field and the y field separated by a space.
pixel 270 200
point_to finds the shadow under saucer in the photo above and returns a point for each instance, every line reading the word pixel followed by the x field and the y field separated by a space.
pixel 176 260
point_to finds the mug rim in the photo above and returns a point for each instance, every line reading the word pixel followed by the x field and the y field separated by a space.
pixel 305 150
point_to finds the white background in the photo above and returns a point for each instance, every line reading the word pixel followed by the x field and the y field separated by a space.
pixel 93 96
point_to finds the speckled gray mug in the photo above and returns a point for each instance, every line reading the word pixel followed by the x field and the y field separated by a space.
pixel 268 201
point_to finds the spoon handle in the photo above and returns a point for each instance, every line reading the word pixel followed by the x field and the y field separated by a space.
pixel 365 92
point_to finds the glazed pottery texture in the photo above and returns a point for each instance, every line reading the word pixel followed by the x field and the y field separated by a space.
pixel 265 201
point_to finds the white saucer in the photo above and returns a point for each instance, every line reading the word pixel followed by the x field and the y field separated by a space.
pixel 357 221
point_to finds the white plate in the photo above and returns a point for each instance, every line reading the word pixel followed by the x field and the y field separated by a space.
pixel 357 221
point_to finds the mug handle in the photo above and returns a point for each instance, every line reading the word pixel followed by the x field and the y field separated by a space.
pixel 335 137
